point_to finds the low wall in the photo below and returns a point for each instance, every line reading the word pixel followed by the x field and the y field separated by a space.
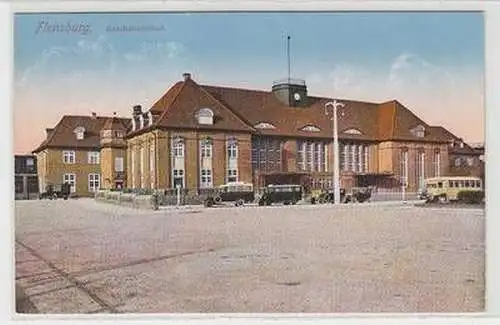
pixel 148 202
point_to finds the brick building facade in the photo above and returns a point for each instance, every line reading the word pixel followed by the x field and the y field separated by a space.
pixel 199 136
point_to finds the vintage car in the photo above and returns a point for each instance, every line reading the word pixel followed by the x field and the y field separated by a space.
pixel 54 192
pixel 287 194
pixel 360 194
pixel 327 196
pixel 238 193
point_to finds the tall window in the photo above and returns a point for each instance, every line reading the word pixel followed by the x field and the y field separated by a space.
pixel 71 179
pixel 311 156
pixel 206 148
pixel 152 165
pixel 69 157
pixel 232 175
pixel 343 155
pixel 404 167
pixel 354 157
pixel 437 163
pixel 206 178
pixel 365 159
pixel 232 150
pixel 132 166
pixel 94 182
pixel 93 157
pixel 178 148
pixel 420 168
pixel 142 168
pixel 119 164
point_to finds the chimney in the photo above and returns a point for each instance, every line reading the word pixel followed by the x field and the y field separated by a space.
pixel 186 76
pixel 94 115
pixel 137 110
pixel 48 131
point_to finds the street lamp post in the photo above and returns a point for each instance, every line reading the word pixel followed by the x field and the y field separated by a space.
pixel 336 169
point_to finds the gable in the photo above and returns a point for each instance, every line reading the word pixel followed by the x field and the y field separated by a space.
pixel 183 111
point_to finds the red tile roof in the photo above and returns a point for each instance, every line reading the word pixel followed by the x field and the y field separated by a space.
pixel 63 135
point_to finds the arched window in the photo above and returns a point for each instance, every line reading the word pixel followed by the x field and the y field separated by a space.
pixel 205 116
pixel 310 128
pixel 264 125
pixel 178 147
pixel 353 131
pixel 80 132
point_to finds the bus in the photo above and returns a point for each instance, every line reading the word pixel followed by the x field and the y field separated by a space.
pixel 446 189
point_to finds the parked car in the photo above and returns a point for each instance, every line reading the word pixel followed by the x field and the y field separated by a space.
pixel 327 196
pixel 287 194
pixel 53 192
pixel 360 194
pixel 238 193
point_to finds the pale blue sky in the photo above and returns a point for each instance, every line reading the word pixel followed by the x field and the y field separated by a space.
pixel 432 62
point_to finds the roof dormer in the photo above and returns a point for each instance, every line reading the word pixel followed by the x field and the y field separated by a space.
pixel 205 116
pixel 80 132
pixel 353 131
pixel 418 131
pixel 264 125
pixel 310 128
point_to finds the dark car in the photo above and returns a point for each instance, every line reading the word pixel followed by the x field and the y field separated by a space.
pixel 287 194
pixel 237 193
pixel 361 194
pixel 54 192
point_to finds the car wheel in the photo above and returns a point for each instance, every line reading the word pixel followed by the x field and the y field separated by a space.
pixel 240 202
pixel 443 199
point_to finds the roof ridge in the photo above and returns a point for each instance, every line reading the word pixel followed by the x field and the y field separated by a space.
pixel 165 110
pixel 247 123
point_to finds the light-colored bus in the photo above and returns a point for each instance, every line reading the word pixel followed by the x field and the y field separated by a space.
pixel 447 188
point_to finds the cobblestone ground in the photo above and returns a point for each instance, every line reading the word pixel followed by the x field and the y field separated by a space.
pixel 79 256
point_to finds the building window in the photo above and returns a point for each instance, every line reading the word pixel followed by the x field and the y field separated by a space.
pixel 458 162
pixel 206 148
pixel 119 164
pixel 266 154
pixel 420 168
pixel 232 150
pixel 69 157
pixel 132 165
pixel 205 116
pixel 178 179
pixel 142 168
pixel 152 165
pixel 80 132
pixel 365 159
pixel 71 179
pixel 19 184
pixel 94 182
pixel 93 157
pixel 206 178
pixel 404 167
pixel 178 148
pixel 311 156
pixel 470 161
pixel 264 125
pixel 418 131
pixel 343 155
pixel 232 175
pixel 437 163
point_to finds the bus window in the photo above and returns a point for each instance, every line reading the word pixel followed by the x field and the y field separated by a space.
pixel 440 184
pixel 478 184
pixel 452 184
pixel 467 184
pixel 461 183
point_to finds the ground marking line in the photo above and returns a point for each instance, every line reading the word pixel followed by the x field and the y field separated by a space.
pixel 79 285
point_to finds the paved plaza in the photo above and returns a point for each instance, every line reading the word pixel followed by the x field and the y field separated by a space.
pixel 81 256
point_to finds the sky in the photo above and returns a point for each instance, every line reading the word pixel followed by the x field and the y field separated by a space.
pixel 432 62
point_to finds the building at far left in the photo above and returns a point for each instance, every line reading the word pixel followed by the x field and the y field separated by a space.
pixel 88 152
pixel 25 177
